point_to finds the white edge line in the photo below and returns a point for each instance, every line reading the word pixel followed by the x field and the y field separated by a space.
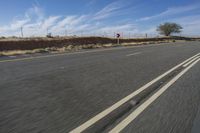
pixel 102 114
pixel 187 64
pixel 142 107
pixel 137 53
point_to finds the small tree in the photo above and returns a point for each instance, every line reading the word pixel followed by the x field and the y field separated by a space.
pixel 168 28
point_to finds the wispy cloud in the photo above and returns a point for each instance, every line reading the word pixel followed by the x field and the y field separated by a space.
pixel 35 12
pixel 35 22
pixel 69 23
pixel 172 11
pixel 190 24
pixel 40 28
pixel 109 10
pixel 14 25
pixel 119 28
pixel 49 22
pixel 91 2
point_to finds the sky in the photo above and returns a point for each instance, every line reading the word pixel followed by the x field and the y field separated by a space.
pixel 96 17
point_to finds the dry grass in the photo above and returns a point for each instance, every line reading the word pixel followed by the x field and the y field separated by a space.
pixel 21 52
pixel 60 46
pixel 72 48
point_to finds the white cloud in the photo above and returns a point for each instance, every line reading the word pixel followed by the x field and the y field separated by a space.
pixel 35 12
pixel 49 22
pixel 40 28
pixel 71 23
pixel 119 28
pixel 151 30
pixel 172 11
pixel 66 21
pixel 110 9
pixel 14 25
pixel 190 24
pixel 35 23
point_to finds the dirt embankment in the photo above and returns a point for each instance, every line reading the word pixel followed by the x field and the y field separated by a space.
pixel 67 44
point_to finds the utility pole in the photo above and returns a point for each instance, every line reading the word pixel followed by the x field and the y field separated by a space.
pixel 104 34
pixel 65 30
pixel 66 34
pixel 22 34
pixel 47 31
pixel 81 33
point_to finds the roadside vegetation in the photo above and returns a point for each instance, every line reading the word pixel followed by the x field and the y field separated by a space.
pixel 16 46
pixel 167 29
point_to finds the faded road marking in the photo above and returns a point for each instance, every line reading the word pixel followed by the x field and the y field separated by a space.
pixel 137 53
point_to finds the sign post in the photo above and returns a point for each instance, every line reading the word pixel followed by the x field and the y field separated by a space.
pixel 118 38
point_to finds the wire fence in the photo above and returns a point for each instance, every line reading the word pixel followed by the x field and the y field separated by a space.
pixel 124 35
pixel 109 34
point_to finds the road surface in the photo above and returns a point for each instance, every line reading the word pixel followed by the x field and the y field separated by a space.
pixel 60 93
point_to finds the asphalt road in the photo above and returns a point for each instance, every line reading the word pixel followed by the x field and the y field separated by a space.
pixel 57 93
pixel 175 111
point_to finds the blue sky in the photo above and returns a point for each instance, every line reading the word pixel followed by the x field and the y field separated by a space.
pixel 96 17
